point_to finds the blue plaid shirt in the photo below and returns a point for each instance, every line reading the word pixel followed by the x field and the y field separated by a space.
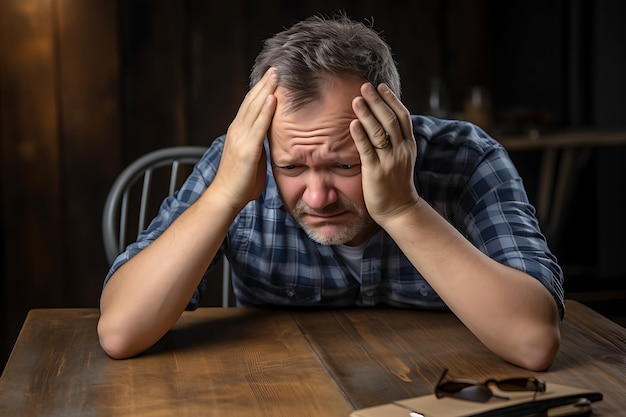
pixel 462 172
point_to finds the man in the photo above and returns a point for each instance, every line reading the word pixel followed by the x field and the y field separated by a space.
pixel 325 191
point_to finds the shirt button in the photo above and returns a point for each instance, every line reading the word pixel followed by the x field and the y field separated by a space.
pixel 290 293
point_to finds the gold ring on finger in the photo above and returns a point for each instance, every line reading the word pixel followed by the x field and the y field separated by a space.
pixel 384 143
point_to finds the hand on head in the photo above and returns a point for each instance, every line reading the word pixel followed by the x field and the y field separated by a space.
pixel 383 135
pixel 241 174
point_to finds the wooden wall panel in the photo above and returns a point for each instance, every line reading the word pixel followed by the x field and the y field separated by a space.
pixel 89 79
pixel 30 134
pixel 218 67
pixel 153 77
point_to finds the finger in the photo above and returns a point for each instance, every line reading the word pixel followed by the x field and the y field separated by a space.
pixel 402 113
pixel 381 118
pixel 263 113
pixel 262 122
pixel 256 98
pixel 369 124
pixel 361 139
pixel 255 113
pixel 270 77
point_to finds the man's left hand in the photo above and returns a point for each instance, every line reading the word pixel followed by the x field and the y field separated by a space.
pixel 383 135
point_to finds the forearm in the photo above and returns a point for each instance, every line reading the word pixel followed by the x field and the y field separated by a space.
pixel 146 296
pixel 512 313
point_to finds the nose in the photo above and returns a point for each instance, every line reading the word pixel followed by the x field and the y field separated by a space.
pixel 320 190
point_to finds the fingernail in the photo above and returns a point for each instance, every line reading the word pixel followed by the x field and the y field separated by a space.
pixel 274 73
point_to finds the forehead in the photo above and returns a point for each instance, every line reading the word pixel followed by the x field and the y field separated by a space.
pixel 337 90
pixel 324 122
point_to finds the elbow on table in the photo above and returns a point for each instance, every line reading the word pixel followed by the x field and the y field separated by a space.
pixel 538 362
pixel 115 342
pixel 538 353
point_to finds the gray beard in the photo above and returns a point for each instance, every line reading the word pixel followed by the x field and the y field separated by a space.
pixel 349 232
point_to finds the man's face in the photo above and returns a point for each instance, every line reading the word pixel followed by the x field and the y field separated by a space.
pixel 317 166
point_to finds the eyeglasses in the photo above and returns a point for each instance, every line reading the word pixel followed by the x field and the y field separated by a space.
pixel 471 390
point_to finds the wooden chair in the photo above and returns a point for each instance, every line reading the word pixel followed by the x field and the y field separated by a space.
pixel 129 203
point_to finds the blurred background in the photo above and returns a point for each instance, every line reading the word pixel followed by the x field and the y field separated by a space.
pixel 88 86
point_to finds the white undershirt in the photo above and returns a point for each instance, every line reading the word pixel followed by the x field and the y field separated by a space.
pixel 352 256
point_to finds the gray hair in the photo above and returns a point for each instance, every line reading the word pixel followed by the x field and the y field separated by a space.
pixel 316 47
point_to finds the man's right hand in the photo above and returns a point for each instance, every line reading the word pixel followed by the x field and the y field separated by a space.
pixel 241 175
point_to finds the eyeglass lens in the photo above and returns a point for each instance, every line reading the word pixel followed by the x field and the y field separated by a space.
pixel 471 390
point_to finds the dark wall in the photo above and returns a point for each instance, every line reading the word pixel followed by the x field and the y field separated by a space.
pixel 609 112
pixel 560 65
pixel 529 68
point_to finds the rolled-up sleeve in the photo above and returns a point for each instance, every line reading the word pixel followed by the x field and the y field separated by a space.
pixel 173 206
pixel 501 222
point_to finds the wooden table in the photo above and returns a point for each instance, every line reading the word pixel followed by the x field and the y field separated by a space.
pixel 247 362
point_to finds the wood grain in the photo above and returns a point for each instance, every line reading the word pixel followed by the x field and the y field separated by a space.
pixel 565 140
pixel 31 218
pixel 214 362
pixel 90 130
pixel 254 362
pixel 387 355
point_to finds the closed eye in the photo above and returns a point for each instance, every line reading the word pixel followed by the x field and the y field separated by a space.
pixel 290 170
pixel 348 170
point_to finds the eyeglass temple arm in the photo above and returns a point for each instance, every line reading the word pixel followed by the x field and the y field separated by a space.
pixel 443 375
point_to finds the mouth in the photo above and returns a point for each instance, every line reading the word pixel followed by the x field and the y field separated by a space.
pixel 326 217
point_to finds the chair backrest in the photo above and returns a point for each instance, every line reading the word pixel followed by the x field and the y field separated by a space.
pixel 129 203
